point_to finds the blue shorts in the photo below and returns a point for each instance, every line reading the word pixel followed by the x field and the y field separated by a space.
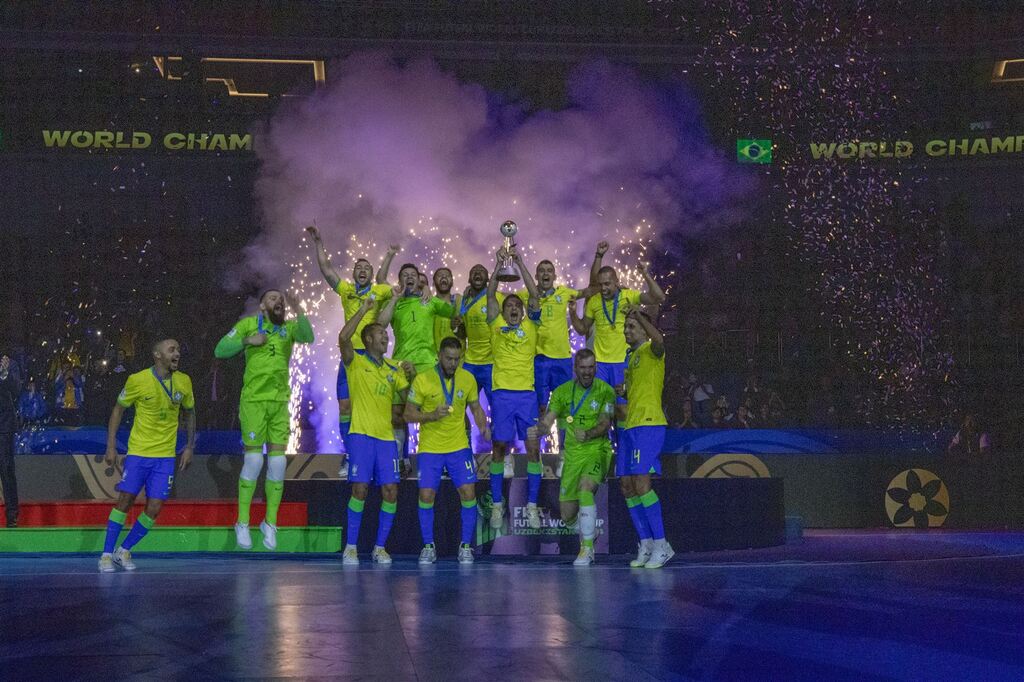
pixel 342 388
pixel 613 374
pixel 460 465
pixel 372 460
pixel 482 374
pixel 640 451
pixel 512 412
pixel 156 473
pixel 549 374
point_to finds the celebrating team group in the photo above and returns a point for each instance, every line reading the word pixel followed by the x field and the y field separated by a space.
pixel 605 400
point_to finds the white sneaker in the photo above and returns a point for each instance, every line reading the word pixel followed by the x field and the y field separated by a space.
pixel 532 515
pixel 510 467
pixel 465 554
pixel 269 535
pixel 381 556
pixel 107 564
pixel 585 557
pixel 662 553
pixel 497 514
pixel 123 558
pixel 643 555
pixel 242 536
pixel 428 555
pixel 350 557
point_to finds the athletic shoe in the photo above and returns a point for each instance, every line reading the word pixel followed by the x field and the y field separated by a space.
pixel 643 555
pixel 269 535
pixel 107 564
pixel 428 555
pixel 350 557
pixel 532 515
pixel 242 536
pixel 662 553
pixel 381 556
pixel 585 557
pixel 123 558
pixel 465 554
pixel 497 514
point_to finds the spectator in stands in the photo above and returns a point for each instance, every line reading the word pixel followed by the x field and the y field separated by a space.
pixel 687 421
pixel 701 393
pixel 772 409
pixel 121 366
pixel 744 418
pixel 9 389
pixel 971 440
pixel 718 419
pixel 32 404
pixel 69 394
pixel 753 396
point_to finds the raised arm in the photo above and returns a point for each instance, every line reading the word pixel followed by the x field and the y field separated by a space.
pixel 654 295
pixel 384 316
pixel 385 264
pixel 303 330
pixel 595 267
pixel 345 335
pixel 326 269
pixel 657 340
pixel 533 304
pixel 493 310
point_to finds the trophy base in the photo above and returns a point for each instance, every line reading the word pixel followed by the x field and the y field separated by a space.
pixel 508 277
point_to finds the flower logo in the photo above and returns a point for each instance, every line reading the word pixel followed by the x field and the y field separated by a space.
pixel 917 498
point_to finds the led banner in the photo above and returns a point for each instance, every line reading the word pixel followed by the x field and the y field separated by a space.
pixel 136 140
pixel 903 149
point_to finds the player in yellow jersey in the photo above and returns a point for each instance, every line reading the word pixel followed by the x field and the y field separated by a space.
pixel 352 294
pixel 438 400
pixel 158 395
pixel 378 389
pixel 604 316
pixel 473 328
pixel 553 364
pixel 639 452
pixel 514 331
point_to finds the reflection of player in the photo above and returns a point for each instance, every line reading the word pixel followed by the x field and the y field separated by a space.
pixel 352 294
pixel 639 453
pixel 514 410
pixel 584 410
pixel 158 394
pixel 438 400
pixel 378 389
pixel 267 340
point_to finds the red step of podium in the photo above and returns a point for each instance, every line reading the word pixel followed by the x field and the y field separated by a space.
pixel 63 513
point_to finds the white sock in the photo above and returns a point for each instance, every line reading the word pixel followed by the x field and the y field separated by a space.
pixel 588 521
pixel 647 543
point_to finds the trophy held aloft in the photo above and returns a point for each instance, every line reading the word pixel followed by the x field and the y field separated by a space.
pixel 507 270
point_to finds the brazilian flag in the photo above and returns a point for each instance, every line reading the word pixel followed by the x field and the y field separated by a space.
pixel 754 151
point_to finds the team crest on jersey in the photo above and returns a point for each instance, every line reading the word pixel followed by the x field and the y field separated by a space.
pixel 391 378
pixel 177 397
pixel 460 393
pixel 520 333
pixel 252 435
pixel 593 404
pixel 483 309
pixel 558 299
pixel 282 332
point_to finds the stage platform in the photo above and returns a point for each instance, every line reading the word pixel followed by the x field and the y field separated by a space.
pixel 839 605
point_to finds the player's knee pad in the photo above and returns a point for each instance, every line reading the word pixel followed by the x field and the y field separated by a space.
pixel 275 467
pixel 252 465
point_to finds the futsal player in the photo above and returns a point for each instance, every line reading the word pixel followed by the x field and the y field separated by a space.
pixel 266 339
pixel 438 400
pixel 158 394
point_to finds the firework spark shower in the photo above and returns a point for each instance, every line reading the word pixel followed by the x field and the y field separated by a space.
pixel 411 155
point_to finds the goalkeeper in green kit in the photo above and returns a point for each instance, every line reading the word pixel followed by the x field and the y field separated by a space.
pixel 267 340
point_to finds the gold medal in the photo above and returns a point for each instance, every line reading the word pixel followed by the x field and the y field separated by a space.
pixel 569 419
pixel 613 325
pixel 450 409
